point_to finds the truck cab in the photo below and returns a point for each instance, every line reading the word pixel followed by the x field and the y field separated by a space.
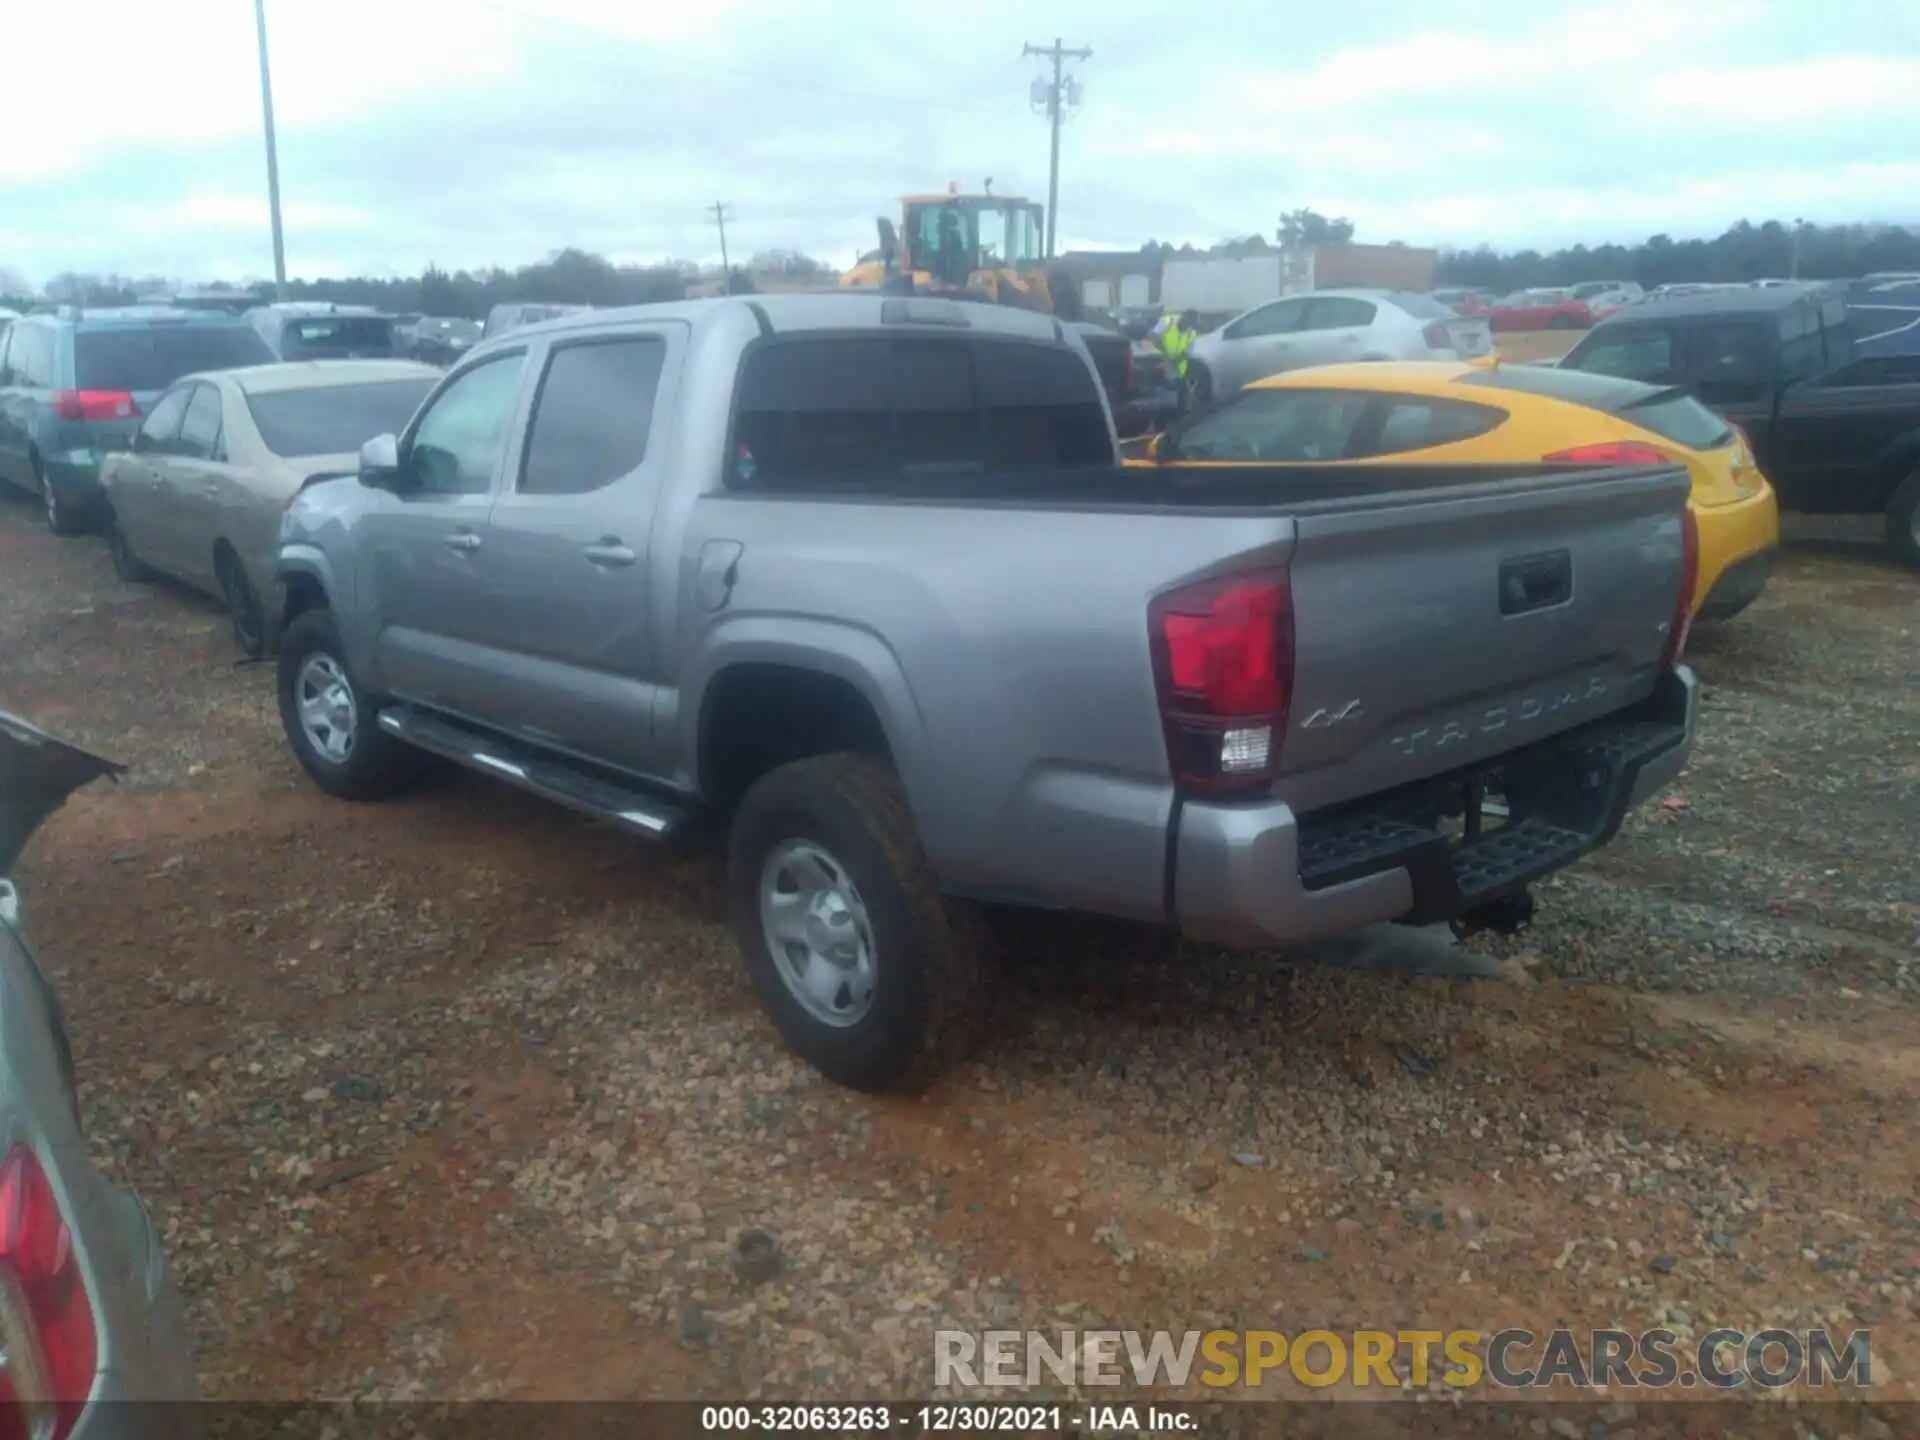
pixel 1836 430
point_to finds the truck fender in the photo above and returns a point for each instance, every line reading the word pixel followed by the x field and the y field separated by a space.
pixel 851 653
pixel 303 569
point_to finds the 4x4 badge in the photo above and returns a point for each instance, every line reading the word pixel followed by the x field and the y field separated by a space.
pixel 1325 719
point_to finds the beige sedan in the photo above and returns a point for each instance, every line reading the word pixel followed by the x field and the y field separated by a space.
pixel 212 466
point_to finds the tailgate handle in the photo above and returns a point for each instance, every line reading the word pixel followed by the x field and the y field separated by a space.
pixel 1536 582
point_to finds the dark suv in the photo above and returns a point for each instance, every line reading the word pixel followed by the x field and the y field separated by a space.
pixel 74 384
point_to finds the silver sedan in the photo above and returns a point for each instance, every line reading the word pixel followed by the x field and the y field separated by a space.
pixel 1325 327
pixel 218 456
pixel 88 1312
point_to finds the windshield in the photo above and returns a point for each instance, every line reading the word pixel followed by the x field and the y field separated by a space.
pixel 335 419
pixel 1008 234
pixel 152 358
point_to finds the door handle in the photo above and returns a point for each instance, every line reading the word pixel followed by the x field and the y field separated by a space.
pixel 609 554
pixel 465 541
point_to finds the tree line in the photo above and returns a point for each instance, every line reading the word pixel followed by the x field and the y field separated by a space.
pixel 570 277
pixel 1743 252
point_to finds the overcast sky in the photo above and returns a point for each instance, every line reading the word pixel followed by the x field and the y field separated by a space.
pixel 473 132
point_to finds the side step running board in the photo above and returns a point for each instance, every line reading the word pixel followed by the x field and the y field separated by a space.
pixel 632 809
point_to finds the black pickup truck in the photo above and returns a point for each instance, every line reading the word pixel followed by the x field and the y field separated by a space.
pixel 1835 428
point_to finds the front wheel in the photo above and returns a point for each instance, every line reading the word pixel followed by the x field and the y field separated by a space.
pixel 1903 521
pixel 329 720
pixel 869 974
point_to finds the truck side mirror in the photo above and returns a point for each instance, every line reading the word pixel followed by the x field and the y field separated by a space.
pixel 380 463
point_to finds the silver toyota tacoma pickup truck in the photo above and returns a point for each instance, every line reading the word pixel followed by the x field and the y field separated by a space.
pixel 861 578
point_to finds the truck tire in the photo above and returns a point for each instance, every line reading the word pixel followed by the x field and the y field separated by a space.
pixel 1903 521
pixel 870 975
pixel 329 719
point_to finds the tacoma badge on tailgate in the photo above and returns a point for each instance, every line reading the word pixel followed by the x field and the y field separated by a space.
pixel 1497 717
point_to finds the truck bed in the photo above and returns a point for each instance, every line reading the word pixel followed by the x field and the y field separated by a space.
pixel 1014 611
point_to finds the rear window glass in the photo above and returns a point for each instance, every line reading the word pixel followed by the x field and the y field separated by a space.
pixel 1681 419
pixel 339 333
pixel 335 419
pixel 1427 307
pixel 826 409
pixel 153 357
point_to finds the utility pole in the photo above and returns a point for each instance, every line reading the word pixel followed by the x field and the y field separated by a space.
pixel 273 158
pixel 1059 94
pixel 1799 229
pixel 719 210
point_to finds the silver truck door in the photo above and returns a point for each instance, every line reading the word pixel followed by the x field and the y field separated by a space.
pixel 565 563
pixel 423 543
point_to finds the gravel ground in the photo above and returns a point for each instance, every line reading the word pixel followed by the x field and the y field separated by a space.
pixel 459 1096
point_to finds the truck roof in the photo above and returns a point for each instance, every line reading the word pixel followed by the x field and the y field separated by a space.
pixel 1718 303
pixel 821 310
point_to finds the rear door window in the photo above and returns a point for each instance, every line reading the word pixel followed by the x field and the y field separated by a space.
pixel 200 431
pixel 593 415
pixel 1338 312
pixel 1273 426
pixel 1282 317
pixel 143 358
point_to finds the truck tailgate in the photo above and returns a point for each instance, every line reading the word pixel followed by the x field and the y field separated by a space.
pixel 1435 632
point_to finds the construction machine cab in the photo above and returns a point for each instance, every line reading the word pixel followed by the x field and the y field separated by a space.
pixel 951 237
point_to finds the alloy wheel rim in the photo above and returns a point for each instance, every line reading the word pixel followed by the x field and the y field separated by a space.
pixel 818 932
pixel 329 715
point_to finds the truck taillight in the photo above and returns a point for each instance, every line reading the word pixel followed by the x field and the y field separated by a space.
pixel 94 405
pixel 46 1319
pixel 1689 578
pixel 1223 665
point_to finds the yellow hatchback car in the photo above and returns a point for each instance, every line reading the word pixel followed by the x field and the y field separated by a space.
pixel 1484 412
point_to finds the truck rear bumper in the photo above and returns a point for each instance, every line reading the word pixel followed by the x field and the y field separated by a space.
pixel 1258 875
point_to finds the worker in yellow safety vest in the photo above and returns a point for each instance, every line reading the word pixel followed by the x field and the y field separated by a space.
pixel 1176 341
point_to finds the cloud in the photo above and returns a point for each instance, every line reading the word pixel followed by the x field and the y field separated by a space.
pixel 500 130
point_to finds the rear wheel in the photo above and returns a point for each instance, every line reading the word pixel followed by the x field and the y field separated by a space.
pixel 1903 521
pixel 869 973
pixel 61 517
pixel 249 616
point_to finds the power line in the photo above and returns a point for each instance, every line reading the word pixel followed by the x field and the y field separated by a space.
pixel 1061 93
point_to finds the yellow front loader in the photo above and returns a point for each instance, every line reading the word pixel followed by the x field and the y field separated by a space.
pixel 982 247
